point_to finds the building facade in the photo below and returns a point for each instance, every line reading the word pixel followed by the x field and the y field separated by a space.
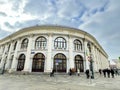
pixel 43 48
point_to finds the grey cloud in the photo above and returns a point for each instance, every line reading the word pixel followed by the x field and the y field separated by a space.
pixel 40 7
pixel 2 2
pixel 7 24
pixel 69 9
pixel 18 24
pixel 3 14
pixel 28 23
pixel 16 5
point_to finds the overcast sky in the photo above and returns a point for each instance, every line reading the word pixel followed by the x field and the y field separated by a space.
pixel 100 18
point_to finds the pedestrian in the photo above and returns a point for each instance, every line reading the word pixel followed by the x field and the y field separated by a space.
pixel 87 73
pixel 112 73
pixel 108 72
pixel 100 71
pixel 52 73
pixel 104 72
pixel 116 72
pixel 70 71
pixel 78 72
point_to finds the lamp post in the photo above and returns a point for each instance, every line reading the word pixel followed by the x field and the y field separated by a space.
pixel 91 61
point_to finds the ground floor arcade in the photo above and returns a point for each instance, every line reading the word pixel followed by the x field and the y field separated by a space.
pixel 60 63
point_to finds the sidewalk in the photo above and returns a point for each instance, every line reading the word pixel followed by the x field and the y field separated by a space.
pixel 59 82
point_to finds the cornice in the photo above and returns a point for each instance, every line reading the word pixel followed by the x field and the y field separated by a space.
pixel 51 29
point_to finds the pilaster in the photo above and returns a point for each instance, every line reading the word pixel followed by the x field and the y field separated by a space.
pixel 15 58
pixel 28 60
pixel 3 60
pixel 48 65
pixel 9 56
pixel 71 57
pixel 87 54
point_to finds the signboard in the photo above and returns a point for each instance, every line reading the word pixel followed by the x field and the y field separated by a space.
pixel 58 61
pixel 32 52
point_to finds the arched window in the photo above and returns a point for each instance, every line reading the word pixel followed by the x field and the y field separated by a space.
pixel 60 62
pixel 21 62
pixel 60 43
pixel 40 43
pixel 38 63
pixel 79 63
pixel 15 45
pixel 24 44
pixel 77 45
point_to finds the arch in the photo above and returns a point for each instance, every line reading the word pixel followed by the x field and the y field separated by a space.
pixel 40 42
pixel 79 63
pixel 24 43
pixel 21 62
pixel 60 62
pixel 38 63
pixel 60 43
pixel 77 45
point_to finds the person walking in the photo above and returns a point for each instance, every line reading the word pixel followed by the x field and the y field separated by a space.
pixel 112 73
pixel 100 72
pixel 87 73
pixel 52 73
pixel 70 71
pixel 104 72
pixel 78 72
pixel 108 72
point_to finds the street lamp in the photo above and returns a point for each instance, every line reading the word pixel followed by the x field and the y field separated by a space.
pixel 91 61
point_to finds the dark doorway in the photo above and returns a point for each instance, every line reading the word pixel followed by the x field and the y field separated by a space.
pixel 79 63
pixel 38 63
pixel 60 62
pixel 21 62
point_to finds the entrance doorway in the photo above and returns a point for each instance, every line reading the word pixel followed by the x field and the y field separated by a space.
pixel 21 62
pixel 60 62
pixel 79 63
pixel 38 63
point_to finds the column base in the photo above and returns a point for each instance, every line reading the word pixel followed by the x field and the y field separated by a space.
pixel 47 71
pixel 11 70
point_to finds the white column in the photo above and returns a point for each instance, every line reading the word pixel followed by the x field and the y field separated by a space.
pixel 8 58
pixel 87 54
pixel 71 57
pixel 94 59
pixel 84 50
pixel 15 58
pixel 28 60
pixel 98 64
pixel 3 60
pixel 48 61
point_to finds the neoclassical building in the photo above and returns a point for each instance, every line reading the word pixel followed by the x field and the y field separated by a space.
pixel 43 48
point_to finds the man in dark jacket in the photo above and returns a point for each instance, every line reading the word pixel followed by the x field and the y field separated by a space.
pixel 52 73
pixel 112 73
pixel 104 72
pixel 87 73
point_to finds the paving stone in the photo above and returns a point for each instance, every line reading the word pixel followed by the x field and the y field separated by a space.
pixel 59 82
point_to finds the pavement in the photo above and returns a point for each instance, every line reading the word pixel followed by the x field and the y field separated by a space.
pixel 58 82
